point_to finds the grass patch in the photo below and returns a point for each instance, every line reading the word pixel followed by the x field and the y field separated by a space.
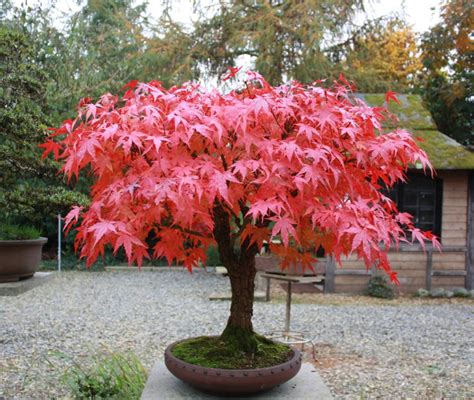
pixel 212 352
pixel 111 376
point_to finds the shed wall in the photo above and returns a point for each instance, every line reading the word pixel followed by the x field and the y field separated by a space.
pixel 411 264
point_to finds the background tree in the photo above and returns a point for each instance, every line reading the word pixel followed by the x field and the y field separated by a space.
pixel 284 39
pixel 102 48
pixel 110 42
pixel 382 55
pixel 192 167
pixel 170 55
pixel 45 70
pixel 448 60
pixel 306 41
pixel 30 191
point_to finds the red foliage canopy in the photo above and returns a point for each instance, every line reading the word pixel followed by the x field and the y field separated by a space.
pixel 300 163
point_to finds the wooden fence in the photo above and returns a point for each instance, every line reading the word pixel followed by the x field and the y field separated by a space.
pixel 332 271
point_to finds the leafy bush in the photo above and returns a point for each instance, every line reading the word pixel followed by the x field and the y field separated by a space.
pixel 213 257
pixel 379 287
pixel 111 376
pixel 31 192
pixel 422 293
pixel 460 292
pixel 15 232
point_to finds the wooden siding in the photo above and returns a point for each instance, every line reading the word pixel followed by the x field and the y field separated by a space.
pixel 411 265
pixel 470 234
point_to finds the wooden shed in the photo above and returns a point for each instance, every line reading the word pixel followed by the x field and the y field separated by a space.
pixel 444 205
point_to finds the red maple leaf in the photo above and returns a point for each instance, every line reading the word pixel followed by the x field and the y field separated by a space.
pixel 391 96
pixel 50 146
pixel 285 228
pixel 233 71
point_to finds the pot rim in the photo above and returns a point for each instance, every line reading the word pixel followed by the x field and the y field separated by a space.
pixel 296 354
pixel 40 240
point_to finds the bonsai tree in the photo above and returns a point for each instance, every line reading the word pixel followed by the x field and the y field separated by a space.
pixel 190 168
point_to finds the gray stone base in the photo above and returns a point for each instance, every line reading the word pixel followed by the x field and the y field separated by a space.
pixel 307 385
pixel 16 288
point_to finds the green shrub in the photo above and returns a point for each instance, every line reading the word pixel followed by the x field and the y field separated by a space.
pixel 111 376
pixel 213 257
pixel 422 293
pixel 460 292
pixel 379 287
pixel 15 232
pixel 31 191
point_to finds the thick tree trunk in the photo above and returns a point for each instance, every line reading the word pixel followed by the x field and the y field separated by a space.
pixel 238 334
pixel 239 330
pixel 241 309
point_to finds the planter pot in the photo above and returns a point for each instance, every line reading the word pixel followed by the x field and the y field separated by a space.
pixel 19 259
pixel 232 382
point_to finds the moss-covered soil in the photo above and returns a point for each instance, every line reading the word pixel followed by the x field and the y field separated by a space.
pixel 212 352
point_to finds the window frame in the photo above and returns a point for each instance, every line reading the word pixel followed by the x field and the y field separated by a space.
pixel 399 191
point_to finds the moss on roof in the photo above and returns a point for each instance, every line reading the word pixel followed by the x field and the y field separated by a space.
pixel 443 152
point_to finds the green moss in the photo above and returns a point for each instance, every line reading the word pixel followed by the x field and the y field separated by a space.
pixel 213 352
pixel 411 112
pixel 443 152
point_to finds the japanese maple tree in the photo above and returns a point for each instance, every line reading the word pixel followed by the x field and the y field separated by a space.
pixel 193 167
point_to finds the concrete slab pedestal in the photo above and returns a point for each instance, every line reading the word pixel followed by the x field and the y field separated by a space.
pixel 307 385
pixel 16 288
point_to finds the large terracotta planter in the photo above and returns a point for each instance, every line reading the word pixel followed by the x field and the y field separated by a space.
pixel 19 259
pixel 232 382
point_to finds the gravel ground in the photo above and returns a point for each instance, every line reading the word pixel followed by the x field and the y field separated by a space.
pixel 406 350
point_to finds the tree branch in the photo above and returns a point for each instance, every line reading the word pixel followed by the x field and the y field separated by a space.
pixel 236 217
pixel 190 231
pixel 222 235
pixel 224 162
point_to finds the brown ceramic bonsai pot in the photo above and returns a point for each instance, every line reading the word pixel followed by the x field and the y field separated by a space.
pixel 232 382
pixel 20 259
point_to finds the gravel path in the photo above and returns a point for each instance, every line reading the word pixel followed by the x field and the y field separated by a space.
pixel 364 351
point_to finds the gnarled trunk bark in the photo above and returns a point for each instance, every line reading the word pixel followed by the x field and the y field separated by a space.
pixel 238 334
pixel 239 330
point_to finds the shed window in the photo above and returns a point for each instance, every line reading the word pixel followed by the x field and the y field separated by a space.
pixel 421 197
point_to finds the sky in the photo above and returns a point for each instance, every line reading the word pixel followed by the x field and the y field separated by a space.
pixel 417 12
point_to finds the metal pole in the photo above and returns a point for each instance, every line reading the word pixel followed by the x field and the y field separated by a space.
pixel 288 308
pixel 59 242
pixel 267 290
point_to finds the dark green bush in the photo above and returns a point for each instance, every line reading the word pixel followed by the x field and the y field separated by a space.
pixel 379 287
pixel 31 191
pixel 213 257
pixel 111 376
pixel 15 232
